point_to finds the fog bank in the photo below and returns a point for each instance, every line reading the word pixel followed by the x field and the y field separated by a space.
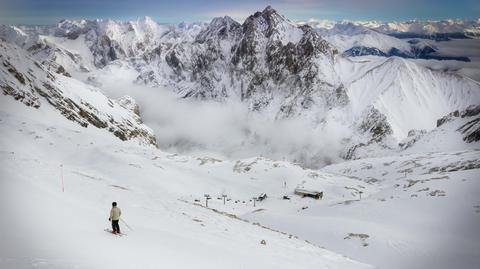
pixel 226 130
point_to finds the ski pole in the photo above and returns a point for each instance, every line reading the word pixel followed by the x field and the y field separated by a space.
pixel 126 224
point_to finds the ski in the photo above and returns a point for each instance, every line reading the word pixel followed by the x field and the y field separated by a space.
pixel 111 231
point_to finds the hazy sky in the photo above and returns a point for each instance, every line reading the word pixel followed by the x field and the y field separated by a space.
pixel 51 11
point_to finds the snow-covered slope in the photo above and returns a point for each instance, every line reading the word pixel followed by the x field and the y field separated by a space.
pixel 29 82
pixel 348 36
pixel 389 212
pixel 399 219
pixel 415 130
pixel 451 133
pixel 410 96
pixel 58 180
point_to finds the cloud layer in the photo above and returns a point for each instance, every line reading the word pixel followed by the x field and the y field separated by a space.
pixel 227 130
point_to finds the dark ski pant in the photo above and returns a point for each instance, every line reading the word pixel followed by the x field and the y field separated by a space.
pixel 115 226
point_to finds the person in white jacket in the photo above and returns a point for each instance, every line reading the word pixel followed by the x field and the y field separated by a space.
pixel 115 217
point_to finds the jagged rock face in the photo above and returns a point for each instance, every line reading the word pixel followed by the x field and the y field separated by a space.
pixel 130 104
pixel 448 118
pixel 376 124
pixel 374 130
pixel 266 60
pixel 471 129
pixel 32 84
pixel 281 59
pixel 412 138
pixel 106 50
pixel 470 111
pixel 109 41
pixel 219 28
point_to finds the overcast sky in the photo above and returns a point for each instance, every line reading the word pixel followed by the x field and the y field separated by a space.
pixel 175 11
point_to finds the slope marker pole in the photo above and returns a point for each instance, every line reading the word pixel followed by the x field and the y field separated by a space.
pixel 61 176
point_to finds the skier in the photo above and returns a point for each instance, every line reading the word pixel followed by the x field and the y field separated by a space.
pixel 115 218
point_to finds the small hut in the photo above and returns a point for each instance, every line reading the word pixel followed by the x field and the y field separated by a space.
pixel 262 197
pixel 309 193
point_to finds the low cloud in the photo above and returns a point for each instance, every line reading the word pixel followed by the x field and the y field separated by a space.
pixel 227 130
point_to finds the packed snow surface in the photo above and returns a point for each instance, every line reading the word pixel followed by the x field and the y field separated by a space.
pixel 57 191
pixel 58 180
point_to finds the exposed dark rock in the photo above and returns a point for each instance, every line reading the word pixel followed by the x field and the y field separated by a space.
pixel 36 82
pixel 25 97
pixel 19 76
pixel 376 124
pixel 415 52
pixel 61 70
pixel 219 29
pixel 375 129
pixel 412 138
pixel 361 51
pixel 471 130
pixel 447 118
pixel 174 62
pixel 471 111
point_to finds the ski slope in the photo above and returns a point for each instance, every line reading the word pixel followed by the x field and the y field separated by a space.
pixel 45 227
pixel 415 207
pixel 423 212
pixel 418 210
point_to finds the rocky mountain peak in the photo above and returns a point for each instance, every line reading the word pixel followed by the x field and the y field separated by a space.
pixel 221 27
pixel 30 83
pixel 268 22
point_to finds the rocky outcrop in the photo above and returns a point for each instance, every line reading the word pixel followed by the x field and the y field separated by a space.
pixel 373 133
pixel 471 129
pixel 471 111
pixel 266 61
pixel 32 84
pixel 375 124
pixel 110 40
pixel 412 138
pixel 219 29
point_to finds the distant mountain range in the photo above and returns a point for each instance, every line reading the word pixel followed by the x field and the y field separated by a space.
pixel 437 30
pixel 270 64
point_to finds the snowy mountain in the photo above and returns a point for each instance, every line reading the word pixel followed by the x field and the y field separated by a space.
pixel 62 177
pixel 351 38
pixel 27 81
pixel 437 30
pixel 264 112
pixel 269 64
pixel 444 29
pixel 355 39
pixel 407 94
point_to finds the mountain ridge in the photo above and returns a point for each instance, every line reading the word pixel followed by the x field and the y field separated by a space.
pixel 269 64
